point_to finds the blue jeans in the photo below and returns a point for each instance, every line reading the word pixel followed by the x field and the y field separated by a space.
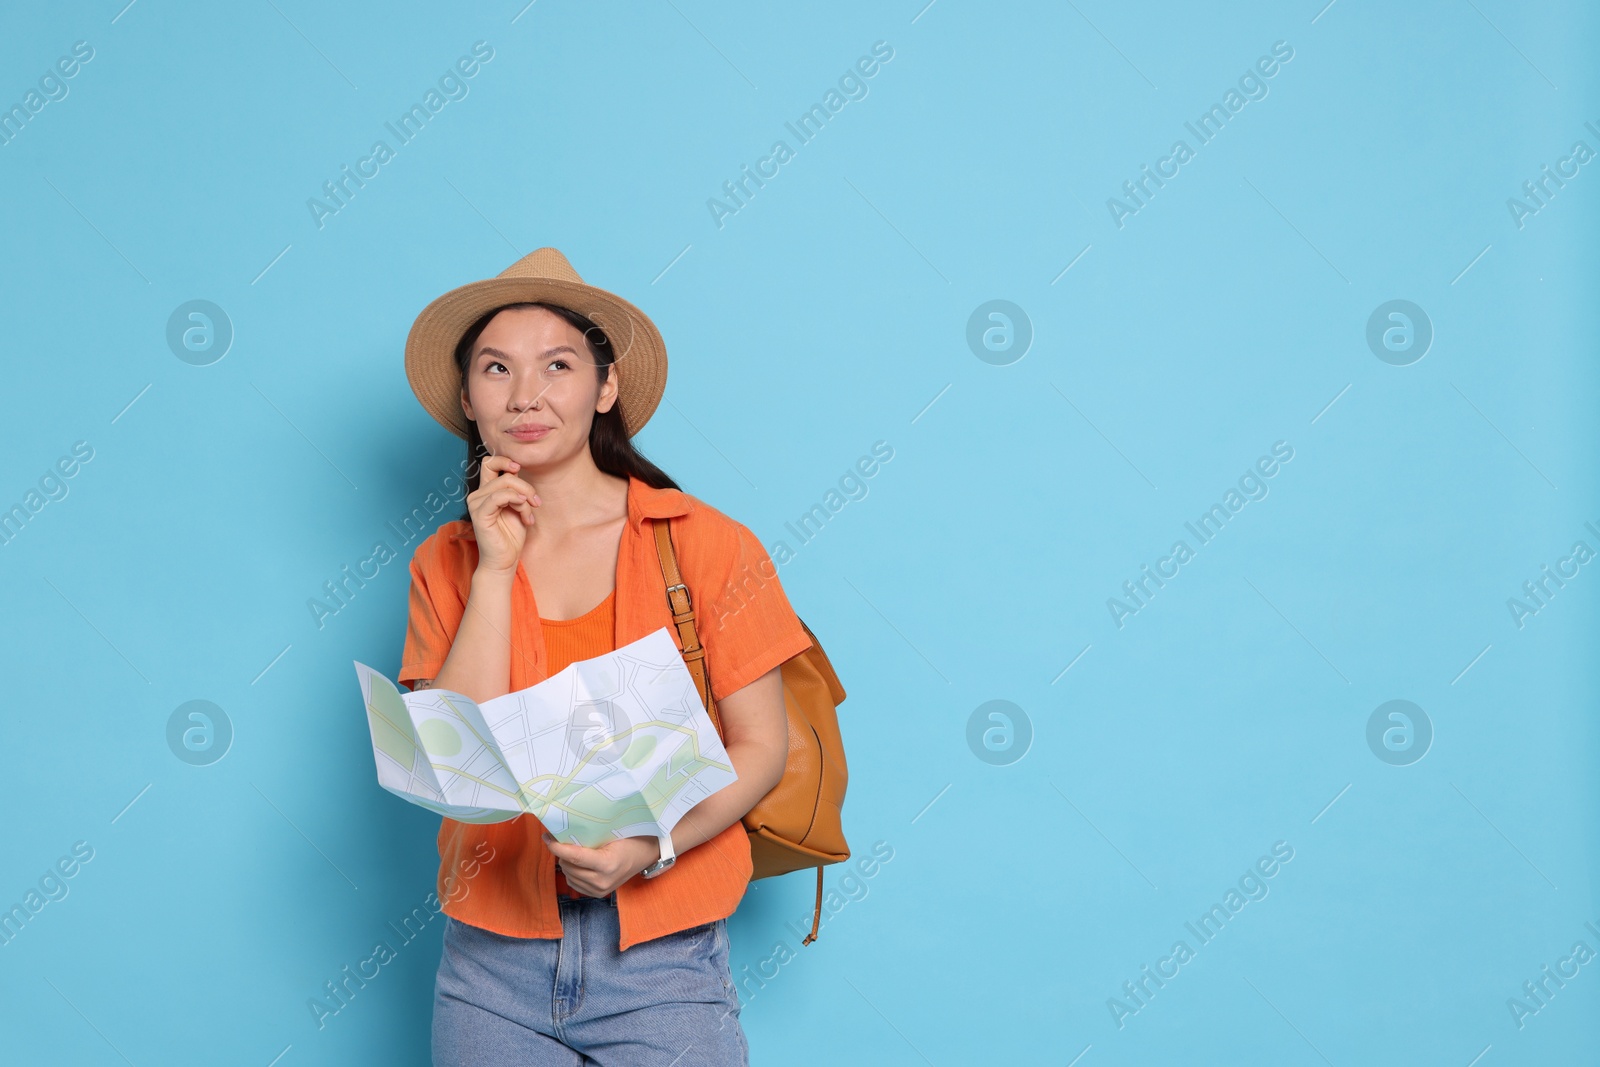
pixel 578 1001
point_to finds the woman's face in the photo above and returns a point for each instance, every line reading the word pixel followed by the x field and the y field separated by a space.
pixel 531 387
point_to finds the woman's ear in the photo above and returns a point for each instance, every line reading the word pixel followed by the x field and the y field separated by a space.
pixel 609 389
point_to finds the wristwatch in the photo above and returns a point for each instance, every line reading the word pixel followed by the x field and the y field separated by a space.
pixel 668 858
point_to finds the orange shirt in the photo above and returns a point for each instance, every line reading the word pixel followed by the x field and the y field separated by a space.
pixel 747 627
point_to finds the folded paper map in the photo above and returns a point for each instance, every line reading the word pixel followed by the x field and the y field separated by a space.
pixel 610 747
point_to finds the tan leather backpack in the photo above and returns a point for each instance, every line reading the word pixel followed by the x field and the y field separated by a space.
pixel 797 824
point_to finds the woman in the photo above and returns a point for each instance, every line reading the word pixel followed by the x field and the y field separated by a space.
pixel 555 953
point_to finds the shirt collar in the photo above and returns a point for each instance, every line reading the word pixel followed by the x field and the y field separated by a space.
pixel 645 501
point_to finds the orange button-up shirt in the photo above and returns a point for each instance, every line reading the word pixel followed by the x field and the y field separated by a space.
pixel 747 626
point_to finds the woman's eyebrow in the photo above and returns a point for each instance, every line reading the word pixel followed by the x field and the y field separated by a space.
pixel 497 354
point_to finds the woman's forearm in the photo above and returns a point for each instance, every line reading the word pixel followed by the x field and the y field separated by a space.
pixel 479 662
pixel 759 768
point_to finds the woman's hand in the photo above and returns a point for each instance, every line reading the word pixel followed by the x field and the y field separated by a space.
pixel 502 510
pixel 595 872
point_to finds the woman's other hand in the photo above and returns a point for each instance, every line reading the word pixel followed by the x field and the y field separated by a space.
pixel 502 510
pixel 595 872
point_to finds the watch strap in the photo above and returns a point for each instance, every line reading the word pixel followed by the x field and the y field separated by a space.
pixel 667 858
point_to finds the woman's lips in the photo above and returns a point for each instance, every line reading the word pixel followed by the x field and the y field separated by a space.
pixel 528 433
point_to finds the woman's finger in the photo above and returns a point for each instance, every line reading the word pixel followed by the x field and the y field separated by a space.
pixel 571 853
pixel 511 496
pixel 511 481
pixel 492 467
pixel 504 496
pixel 576 863
pixel 498 471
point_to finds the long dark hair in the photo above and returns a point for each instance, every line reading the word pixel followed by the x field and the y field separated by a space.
pixel 613 450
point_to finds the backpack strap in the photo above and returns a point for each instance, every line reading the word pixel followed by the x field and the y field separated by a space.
pixel 816 913
pixel 694 656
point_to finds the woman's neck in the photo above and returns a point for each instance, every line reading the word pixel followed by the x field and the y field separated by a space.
pixel 573 497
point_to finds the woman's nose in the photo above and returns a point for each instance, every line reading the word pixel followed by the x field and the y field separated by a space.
pixel 528 393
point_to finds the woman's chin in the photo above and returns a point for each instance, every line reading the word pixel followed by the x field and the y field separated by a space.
pixel 519 449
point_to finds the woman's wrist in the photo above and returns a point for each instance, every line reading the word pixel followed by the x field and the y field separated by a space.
pixel 491 581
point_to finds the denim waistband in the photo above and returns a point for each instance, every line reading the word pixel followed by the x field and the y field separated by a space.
pixel 610 898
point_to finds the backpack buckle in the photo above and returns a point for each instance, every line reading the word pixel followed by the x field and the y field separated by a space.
pixel 680 585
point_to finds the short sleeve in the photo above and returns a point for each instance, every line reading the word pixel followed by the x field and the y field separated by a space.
pixel 750 627
pixel 435 614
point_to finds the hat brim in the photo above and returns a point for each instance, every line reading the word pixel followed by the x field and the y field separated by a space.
pixel 641 354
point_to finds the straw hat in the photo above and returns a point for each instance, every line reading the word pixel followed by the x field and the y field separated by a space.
pixel 545 275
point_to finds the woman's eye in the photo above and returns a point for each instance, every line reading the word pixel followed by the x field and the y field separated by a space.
pixel 558 363
pixel 493 363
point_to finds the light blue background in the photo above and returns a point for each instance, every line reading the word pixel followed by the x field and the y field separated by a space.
pixel 830 313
